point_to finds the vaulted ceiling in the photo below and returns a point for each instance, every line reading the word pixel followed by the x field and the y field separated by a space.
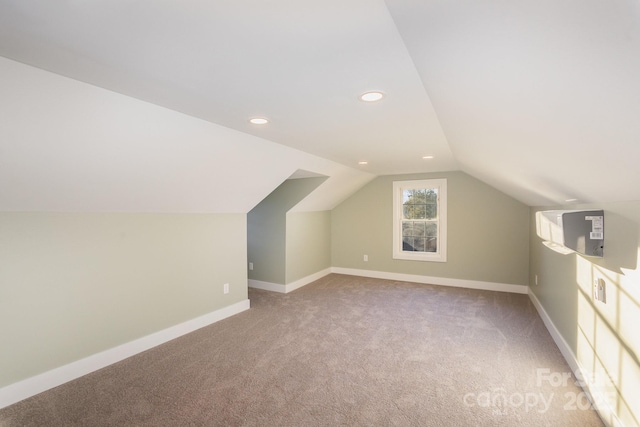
pixel 538 98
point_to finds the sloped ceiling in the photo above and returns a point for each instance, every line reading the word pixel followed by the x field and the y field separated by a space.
pixel 66 146
pixel 538 98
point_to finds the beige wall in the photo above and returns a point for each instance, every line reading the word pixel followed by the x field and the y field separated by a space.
pixel 487 232
pixel 72 285
pixel 308 244
pixel 603 337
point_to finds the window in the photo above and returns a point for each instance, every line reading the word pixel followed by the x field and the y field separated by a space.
pixel 420 220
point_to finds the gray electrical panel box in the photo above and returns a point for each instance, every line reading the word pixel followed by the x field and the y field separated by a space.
pixel 579 231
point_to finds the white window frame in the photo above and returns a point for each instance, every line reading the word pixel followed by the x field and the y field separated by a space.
pixel 398 189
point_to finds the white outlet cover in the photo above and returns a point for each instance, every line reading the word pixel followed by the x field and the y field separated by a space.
pixel 600 290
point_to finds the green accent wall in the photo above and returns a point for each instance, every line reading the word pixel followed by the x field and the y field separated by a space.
pixel 604 337
pixel 75 284
pixel 488 237
pixel 267 229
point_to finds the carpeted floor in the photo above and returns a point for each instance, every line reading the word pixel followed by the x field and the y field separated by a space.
pixel 343 350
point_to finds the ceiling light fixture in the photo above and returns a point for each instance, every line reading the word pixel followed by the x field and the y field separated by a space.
pixel 427 157
pixel 258 121
pixel 371 96
pixel 571 200
pixel 363 162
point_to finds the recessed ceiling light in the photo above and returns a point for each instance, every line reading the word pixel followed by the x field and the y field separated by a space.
pixel 427 157
pixel 571 200
pixel 258 121
pixel 372 96
pixel 363 162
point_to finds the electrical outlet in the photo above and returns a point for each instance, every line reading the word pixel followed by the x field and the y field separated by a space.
pixel 600 290
pixel 250 266
pixel 225 288
pixel 366 257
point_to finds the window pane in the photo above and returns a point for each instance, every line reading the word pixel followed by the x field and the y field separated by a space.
pixel 431 229
pixel 420 203
pixel 413 228
pixel 406 228
pixel 407 244
pixel 431 211
pixel 407 196
pixel 419 244
pixel 420 196
pixel 416 239
pixel 407 211
pixel 411 211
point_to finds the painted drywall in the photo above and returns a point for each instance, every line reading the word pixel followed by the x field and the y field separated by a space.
pixel 266 229
pixel 603 336
pixel 75 284
pixel 487 232
pixel 308 244
pixel 67 146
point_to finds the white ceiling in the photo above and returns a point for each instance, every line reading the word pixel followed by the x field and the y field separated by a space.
pixel 538 98
pixel 67 146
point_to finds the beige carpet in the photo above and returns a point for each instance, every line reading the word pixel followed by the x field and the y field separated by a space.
pixel 341 351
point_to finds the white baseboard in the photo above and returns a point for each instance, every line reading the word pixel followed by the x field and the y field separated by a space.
pixel 441 281
pixel 31 386
pixel 277 287
pixel 306 280
pixel 596 395
pixel 267 286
